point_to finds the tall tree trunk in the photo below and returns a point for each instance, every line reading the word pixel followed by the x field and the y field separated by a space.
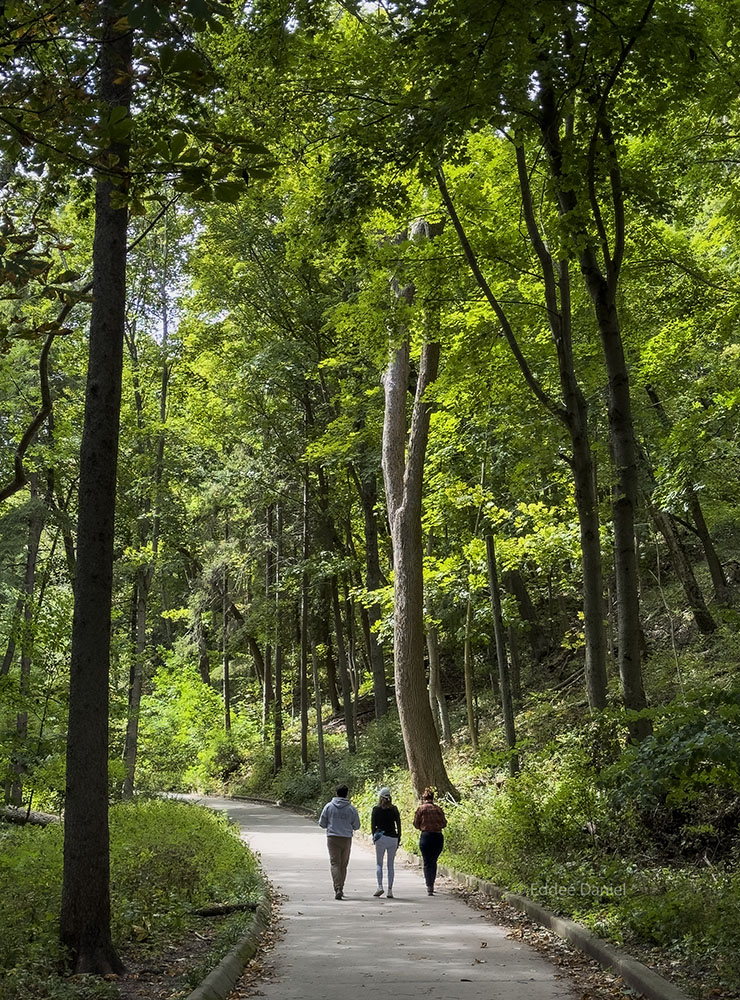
pixel 303 657
pixel 437 700
pixel 403 485
pixel 602 289
pixel 225 653
pixel 468 673
pixel 515 668
pixel 267 692
pixel 131 743
pixel 503 665
pixel 347 706
pixel 319 720
pixel 368 490
pixel 85 911
pixel 572 413
pixel 35 527
pixel 324 629
pixel 277 729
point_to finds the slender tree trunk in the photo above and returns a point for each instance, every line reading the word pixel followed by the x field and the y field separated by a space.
pixel 468 673
pixel 344 677
pixel 277 737
pixel 503 665
pixel 602 288
pixel 85 911
pixel 35 528
pixel 319 720
pixel 303 659
pixel 131 744
pixel 722 589
pixel 368 491
pixel 684 571
pixel 437 700
pixel 267 692
pixel 515 668
pixel 324 627
pixel 225 655
pixel 624 503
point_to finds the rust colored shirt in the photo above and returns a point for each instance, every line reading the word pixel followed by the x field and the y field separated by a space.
pixel 429 818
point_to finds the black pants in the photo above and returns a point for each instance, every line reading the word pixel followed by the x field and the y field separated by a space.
pixel 430 845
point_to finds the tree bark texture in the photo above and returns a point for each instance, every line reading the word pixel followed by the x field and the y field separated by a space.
pixel 85 910
pixel 403 475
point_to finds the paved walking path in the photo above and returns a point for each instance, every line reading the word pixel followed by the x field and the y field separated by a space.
pixel 410 946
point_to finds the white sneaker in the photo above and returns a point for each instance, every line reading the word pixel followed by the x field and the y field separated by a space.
pixel 389 894
pixel 379 891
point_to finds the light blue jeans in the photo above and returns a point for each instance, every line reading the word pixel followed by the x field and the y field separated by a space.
pixel 385 846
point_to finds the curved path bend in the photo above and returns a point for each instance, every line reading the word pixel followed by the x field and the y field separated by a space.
pixel 411 946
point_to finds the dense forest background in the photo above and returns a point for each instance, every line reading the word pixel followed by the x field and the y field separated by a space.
pixel 369 411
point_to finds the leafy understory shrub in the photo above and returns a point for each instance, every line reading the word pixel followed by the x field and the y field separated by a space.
pixel 167 857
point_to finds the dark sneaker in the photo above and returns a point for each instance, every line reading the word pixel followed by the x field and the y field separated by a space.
pixel 339 894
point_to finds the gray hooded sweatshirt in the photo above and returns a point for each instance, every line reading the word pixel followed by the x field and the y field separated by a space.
pixel 339 818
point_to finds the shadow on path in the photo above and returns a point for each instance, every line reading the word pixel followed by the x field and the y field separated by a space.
pixel 408 946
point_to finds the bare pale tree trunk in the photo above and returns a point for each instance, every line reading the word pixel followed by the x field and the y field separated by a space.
pixel 403 473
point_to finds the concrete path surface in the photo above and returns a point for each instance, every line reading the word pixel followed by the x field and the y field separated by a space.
pixel 411 946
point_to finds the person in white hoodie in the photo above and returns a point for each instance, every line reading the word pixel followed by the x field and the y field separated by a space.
pixel 340 819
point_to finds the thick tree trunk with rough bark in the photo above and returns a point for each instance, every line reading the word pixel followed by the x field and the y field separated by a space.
pixel 403 475
pixel 85 912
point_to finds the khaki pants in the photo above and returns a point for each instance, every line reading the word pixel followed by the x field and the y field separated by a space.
pixel 339 848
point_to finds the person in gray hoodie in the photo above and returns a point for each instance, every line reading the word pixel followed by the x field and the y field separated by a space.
pixel 340 819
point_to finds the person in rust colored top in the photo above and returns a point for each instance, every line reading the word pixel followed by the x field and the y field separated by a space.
pixel 431 820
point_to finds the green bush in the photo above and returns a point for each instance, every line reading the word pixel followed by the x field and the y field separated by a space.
pixel 166 858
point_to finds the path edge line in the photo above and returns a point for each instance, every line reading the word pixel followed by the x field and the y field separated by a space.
pixel 221 980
